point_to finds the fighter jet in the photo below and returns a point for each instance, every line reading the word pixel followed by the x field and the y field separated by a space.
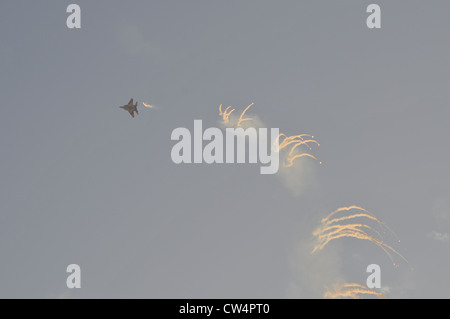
pixel 130 107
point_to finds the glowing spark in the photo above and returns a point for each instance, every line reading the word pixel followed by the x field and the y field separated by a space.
pixel 351 290
pixel 147 105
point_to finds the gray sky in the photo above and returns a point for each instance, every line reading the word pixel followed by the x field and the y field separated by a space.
pixel 83 182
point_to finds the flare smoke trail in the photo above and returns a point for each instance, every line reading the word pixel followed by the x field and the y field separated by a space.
pixel 330 229
pixel 351 290
pixel 295 141
pixel 297 176
pixel 225 114
pixel 298 141
pixel 242 114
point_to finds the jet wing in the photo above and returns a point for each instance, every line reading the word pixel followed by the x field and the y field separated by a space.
pixel 131 102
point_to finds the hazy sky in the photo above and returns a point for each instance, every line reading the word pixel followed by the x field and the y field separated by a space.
pixel 82 182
